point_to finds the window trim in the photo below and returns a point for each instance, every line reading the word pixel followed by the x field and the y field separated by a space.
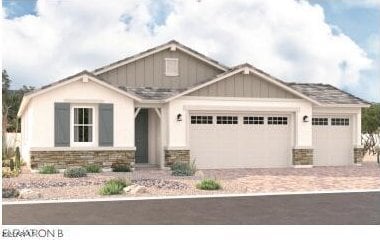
pixel 94 141
pixel 283 121
pixel 253 120
pixel 201 120
pixel 171 74
pixel 234 120
pixel 346 121
pixel 320 121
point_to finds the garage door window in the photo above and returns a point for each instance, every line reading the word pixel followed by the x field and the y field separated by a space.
pixel 226 120
pixel 340 121
pixel 277 120
pixel 320 121
pixel 201 119
pixel 253 120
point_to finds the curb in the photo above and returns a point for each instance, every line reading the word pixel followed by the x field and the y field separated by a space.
pixel 186 197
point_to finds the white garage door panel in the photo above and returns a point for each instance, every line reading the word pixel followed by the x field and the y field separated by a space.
pixel 332 144
pixel 240 145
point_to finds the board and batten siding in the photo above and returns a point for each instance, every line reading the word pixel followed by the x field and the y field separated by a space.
pixel 242 85
pixel 150 71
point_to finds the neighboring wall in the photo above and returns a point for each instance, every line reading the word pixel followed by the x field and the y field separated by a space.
pixel 150 71
pixel 243 85
pixel 12 140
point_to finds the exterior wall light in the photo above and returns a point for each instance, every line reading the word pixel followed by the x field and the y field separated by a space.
pixel 179 117
pixel 305 118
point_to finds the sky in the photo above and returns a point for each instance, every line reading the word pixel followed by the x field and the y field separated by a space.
pixel 335 42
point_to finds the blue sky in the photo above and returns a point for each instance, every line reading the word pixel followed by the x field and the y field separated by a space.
pixel 358 21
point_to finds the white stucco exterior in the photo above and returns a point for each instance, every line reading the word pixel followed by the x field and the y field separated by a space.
pixel 38 118
pixel 178 131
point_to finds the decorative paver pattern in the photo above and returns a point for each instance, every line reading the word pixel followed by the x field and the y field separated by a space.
pixel 162 183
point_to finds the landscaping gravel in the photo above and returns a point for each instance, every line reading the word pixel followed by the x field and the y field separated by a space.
pixel 162 183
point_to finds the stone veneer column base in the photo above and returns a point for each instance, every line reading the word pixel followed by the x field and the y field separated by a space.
pixel 302 156
pixel 172 156
pixel 64 159
pixel 358 154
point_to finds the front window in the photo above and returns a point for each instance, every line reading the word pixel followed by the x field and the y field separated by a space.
pixel 83 124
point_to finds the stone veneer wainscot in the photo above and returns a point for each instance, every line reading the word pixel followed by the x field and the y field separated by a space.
pixel 64 159
pixel 172 156
pixel 302 156
pixel 358 154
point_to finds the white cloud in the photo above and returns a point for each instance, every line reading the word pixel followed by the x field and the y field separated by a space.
pixel 286 38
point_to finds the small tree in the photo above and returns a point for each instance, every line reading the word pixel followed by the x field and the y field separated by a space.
pixel 371 127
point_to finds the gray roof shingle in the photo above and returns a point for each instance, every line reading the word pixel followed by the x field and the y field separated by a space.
pixel 149 93
pixel 326 94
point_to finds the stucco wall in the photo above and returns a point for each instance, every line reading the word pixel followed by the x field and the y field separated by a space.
pixel 178 131
pixel 40 112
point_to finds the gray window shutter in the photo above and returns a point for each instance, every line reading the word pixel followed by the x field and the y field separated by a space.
pixel 61 124
pixel 105 124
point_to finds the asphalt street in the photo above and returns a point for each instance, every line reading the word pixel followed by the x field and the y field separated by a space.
pixel 328 208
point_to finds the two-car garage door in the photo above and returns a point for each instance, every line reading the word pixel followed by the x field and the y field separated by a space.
pixel 240 140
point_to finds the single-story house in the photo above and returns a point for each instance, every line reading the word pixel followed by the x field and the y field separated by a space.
pixel 171 103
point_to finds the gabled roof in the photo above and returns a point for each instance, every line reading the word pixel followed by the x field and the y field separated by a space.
pixel 170 44
pixel 245 68
pixel 78 76
pixel 327 94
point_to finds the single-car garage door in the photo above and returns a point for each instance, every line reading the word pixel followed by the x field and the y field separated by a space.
pixel 332 140
pixel 240 140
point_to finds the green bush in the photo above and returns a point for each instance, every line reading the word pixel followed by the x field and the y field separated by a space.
pixel 114 186
pixel 48 169
pixel 209 184
pixel 75 172
pixel 183 169
pixel 10 193
pixel 93 168
pixel 121 168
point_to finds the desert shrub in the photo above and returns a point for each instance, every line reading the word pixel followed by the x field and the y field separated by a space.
pixel 209 184
pixel 93 168
pixel 183 169
pixel 48 169
pixel 121 168
pixel 8 173
pixel 10 193
pixel 75 172
pixel 5 163
pixel 114 186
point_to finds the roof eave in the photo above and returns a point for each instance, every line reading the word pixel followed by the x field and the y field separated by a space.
pixel 346 105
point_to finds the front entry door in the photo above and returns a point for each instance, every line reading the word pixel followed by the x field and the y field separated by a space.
pixel 141 136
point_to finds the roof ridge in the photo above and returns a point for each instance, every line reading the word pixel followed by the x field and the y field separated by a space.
pixel 173 41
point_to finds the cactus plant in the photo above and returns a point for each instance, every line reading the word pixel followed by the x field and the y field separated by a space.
pixel 11 164
pixel 17 158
